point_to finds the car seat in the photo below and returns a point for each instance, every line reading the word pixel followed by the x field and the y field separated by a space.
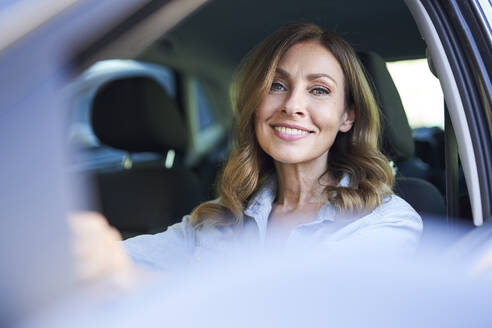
pixel 398 144
pixel 136 115
pixel 429 146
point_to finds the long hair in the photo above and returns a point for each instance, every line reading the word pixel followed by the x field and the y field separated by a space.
pixel 355 152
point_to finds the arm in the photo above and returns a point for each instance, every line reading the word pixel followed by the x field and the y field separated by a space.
pixel 163 251
pixel 99 253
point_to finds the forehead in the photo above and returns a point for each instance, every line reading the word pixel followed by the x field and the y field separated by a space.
pixel 310 58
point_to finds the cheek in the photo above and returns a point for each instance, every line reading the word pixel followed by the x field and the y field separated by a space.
pixel 329 116
pixel 326 121
pixel 270 105
pixel 262 115
pixel 257 119
pixel 258 126
pixel 261 130
pixel 264 108
pixel 260 133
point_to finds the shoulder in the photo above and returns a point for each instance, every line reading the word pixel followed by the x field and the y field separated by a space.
pixel 394 202
pixel 395 209
pixel 393 227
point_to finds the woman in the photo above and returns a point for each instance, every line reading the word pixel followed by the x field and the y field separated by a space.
pixel 305 167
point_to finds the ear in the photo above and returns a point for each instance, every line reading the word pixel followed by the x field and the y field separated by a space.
pixel 347 120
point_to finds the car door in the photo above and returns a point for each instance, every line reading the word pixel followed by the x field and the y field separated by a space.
pixel 458 37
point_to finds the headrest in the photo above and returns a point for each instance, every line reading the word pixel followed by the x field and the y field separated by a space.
pixel 397 139
pixel 136 114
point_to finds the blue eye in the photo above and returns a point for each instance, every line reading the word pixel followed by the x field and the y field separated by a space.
pixel 276 86
pixel 320 91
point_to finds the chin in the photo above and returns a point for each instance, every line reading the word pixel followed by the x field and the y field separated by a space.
pixel 289 158
pixel 295 156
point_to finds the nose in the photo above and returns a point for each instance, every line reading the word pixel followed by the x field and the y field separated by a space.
pixel 294 104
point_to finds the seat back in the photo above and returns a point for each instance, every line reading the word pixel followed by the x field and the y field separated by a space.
pixel 424 197
pixel 136 115
pixel 398 145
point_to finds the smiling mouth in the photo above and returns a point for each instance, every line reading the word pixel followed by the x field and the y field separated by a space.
pixel 290 130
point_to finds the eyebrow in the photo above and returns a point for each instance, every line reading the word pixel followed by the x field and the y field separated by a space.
pixel 313 76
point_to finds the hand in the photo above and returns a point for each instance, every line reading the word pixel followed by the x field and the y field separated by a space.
pixel 99 254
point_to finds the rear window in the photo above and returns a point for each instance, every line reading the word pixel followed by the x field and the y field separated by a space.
pixel 204 109
pixel 420 92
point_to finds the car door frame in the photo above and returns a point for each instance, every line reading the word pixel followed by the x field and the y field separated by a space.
pixel 456 43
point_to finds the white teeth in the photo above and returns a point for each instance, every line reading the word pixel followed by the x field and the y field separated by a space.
pixel 285 130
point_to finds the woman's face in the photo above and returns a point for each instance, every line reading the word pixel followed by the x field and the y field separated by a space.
pixel 304 110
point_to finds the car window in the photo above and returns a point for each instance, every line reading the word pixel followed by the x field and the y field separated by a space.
pixel 207 128
pixel 420 92
pixel 205 115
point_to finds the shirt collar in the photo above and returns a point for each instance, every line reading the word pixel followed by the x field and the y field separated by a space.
pixel 260 204
pixel 344 181
pixel 263 198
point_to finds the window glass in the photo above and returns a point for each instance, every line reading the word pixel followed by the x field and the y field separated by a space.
pixel 205 115
pixel 420 92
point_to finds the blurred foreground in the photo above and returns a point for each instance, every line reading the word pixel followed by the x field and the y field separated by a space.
pixel 288 288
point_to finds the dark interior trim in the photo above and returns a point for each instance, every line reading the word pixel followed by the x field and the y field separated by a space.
pixel 82 58
pixel 478 56
pixel 452 170
pixel 444 15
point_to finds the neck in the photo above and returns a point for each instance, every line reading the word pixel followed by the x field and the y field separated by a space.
pixel 302 183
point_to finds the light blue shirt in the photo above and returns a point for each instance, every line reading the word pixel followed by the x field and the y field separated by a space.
pixel 393 228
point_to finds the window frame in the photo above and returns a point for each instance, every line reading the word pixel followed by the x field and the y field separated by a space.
pixel 453 63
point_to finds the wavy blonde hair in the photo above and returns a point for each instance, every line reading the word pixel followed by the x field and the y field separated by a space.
pixel 355 152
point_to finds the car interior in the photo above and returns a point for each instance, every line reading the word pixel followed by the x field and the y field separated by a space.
pixel 123 107
pixel 152 140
